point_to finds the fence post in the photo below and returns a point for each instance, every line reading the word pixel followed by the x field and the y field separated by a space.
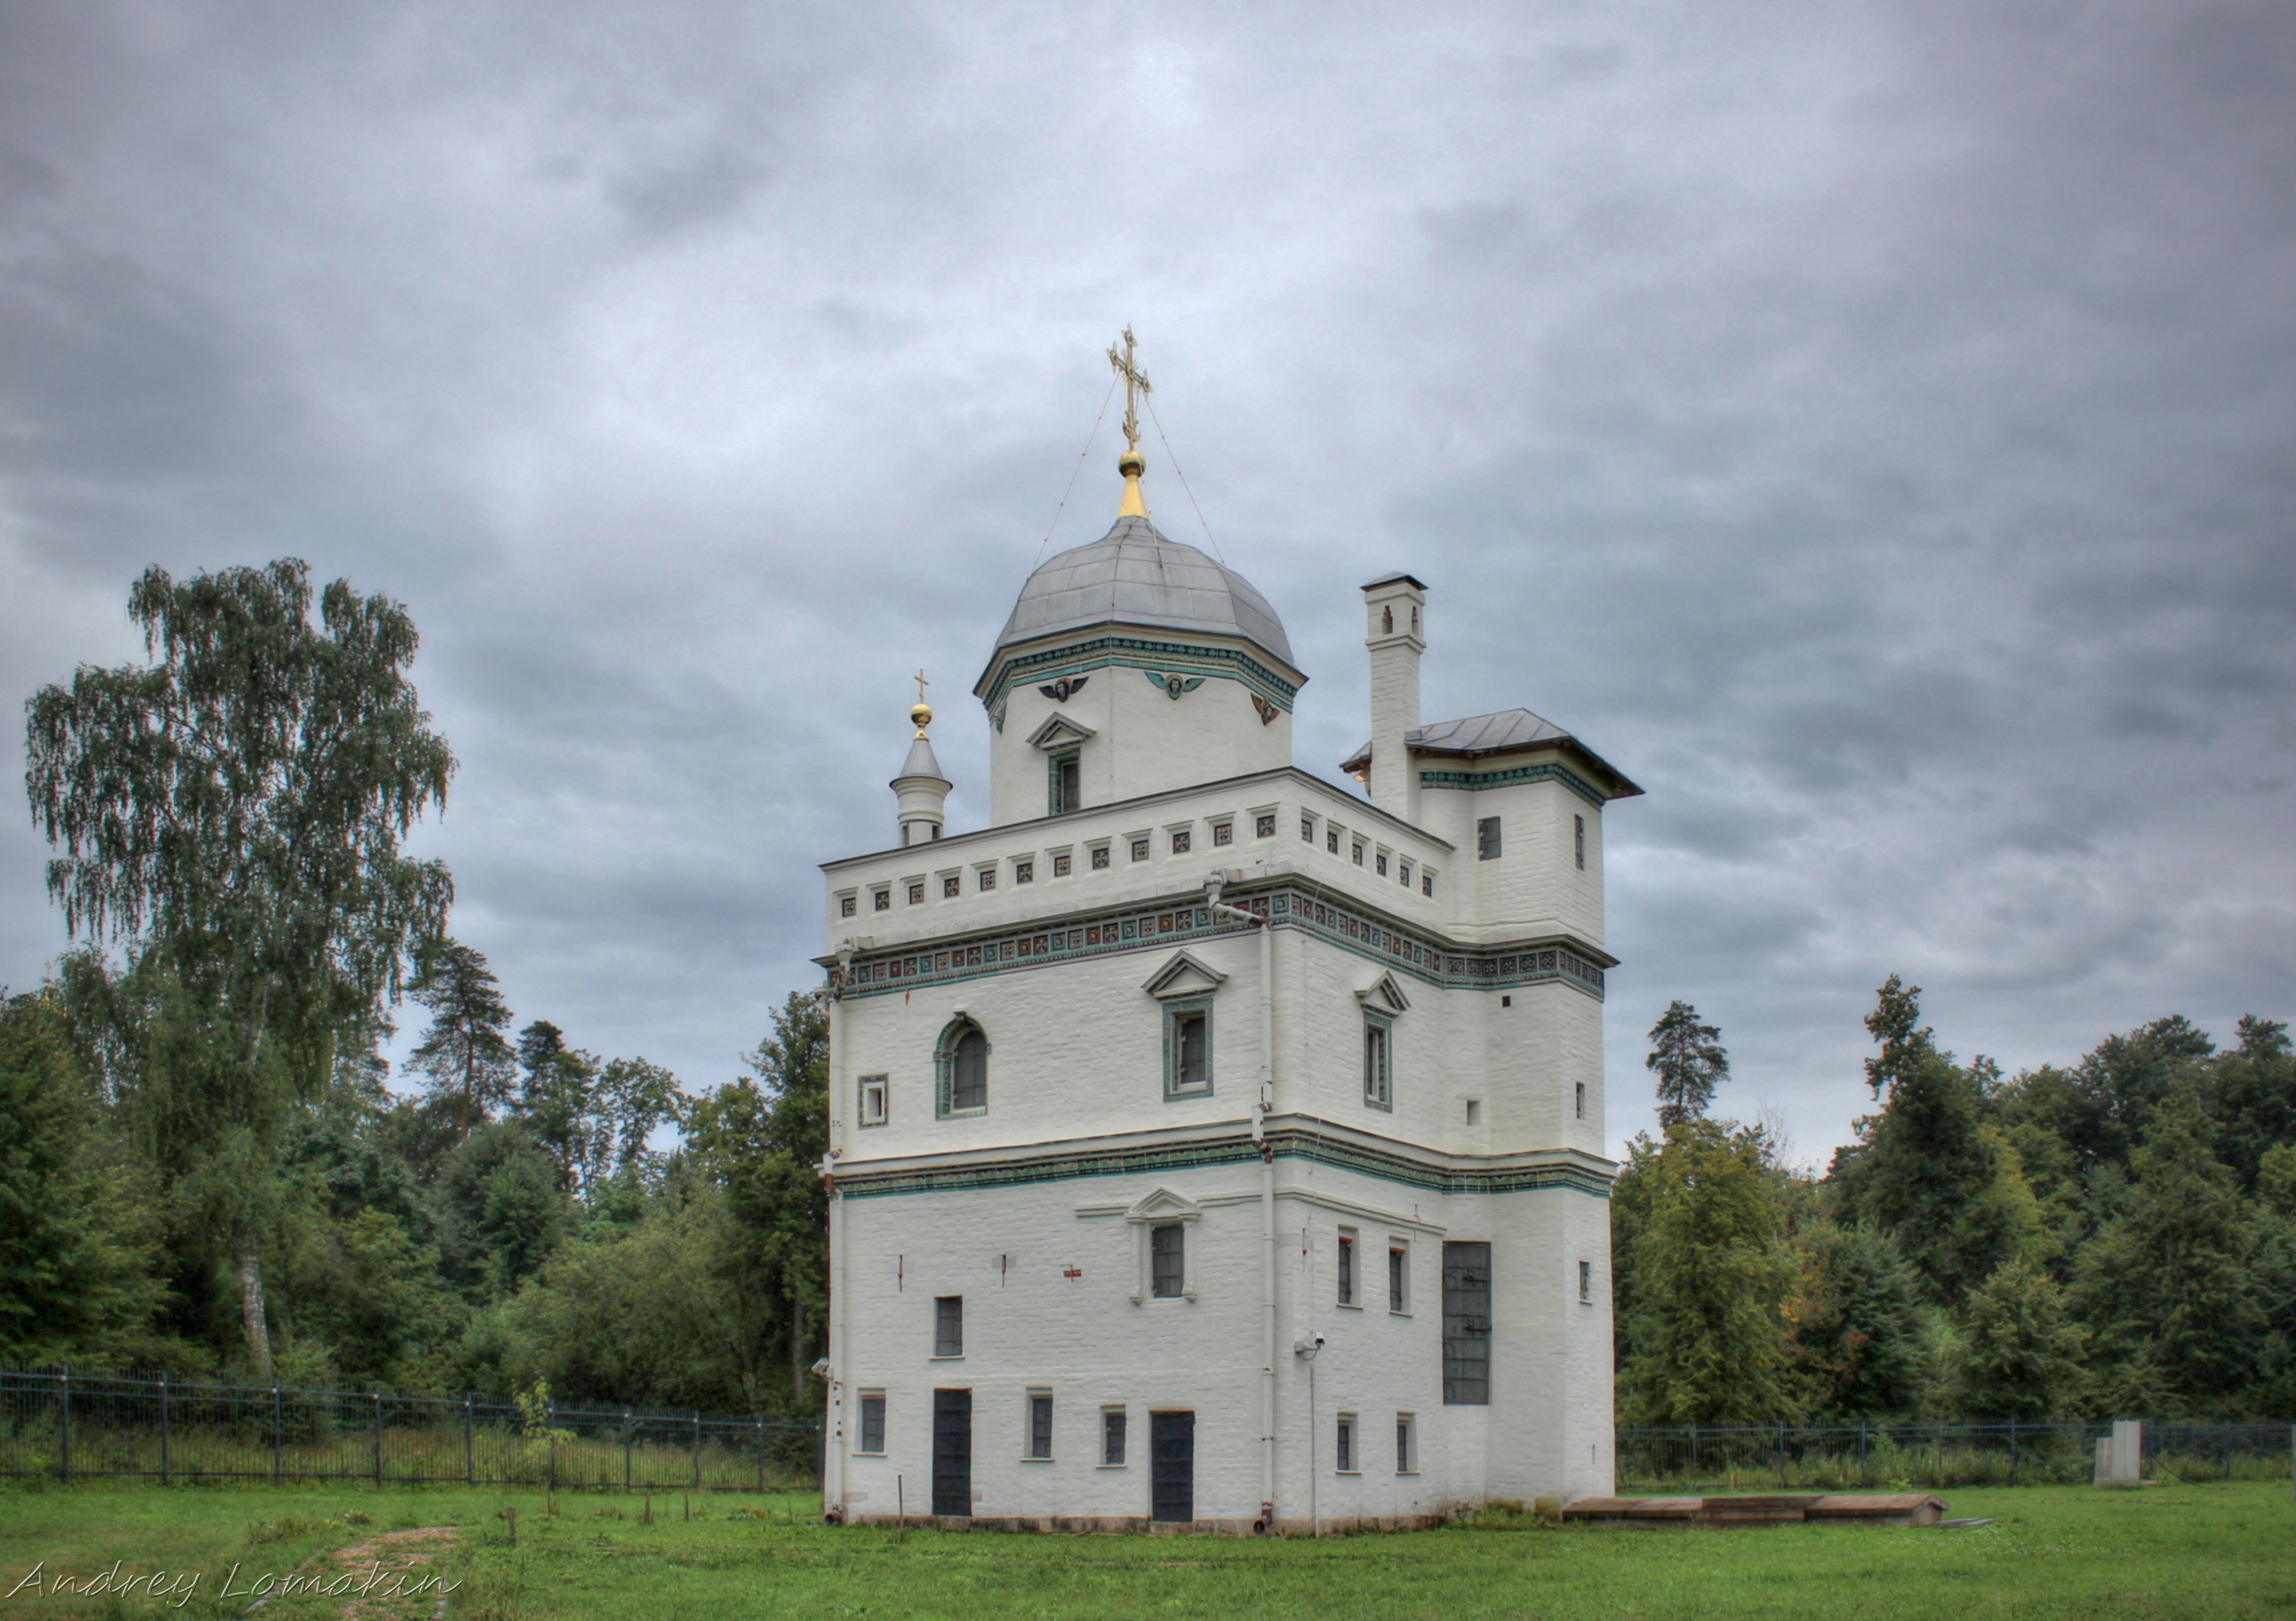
pixel 2227 1451
pixel 470 1451
pixel 275 1435
pixel 2013 1451
pixel 378 1434
pixel 761 1454
pixel 64 1397
pixel 163 1429
pixel 1694 1454
pixel 550 1429
pixel 625 1449
pixel 1781 1454
pixel 1861 1452
pixel 697 1449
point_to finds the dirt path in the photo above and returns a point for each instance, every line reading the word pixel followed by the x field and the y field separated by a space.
pixel 392 1576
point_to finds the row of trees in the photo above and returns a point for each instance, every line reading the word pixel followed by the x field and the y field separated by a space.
pixel 201 1166
pixel 2114 1236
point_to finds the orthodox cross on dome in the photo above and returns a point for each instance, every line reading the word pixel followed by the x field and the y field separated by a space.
pixel 1131 463
pixel 921 712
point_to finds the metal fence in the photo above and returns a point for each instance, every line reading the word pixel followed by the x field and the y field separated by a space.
pixel 69 1424
pixel 1854 1457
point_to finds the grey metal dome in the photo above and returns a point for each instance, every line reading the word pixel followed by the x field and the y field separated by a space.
pixel 1133 576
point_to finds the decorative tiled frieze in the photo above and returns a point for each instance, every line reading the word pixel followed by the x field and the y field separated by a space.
pixel 1293 1143
pixel 1162 660
pixel 1424 956
pixel 1547 771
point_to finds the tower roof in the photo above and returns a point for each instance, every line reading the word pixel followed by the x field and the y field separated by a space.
pixel 1134 575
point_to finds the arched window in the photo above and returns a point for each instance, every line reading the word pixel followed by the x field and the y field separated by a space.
pixel 962 1063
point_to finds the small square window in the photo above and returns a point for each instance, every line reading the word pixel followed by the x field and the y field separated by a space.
pixel 1140 849
pixel 1024 872
pixel 1111 1437
pixel 1380 862
pixel 880 901
pixel 916 894
pixel 1062 864
pixel 1264 827
pixel 987 878
pixel 951 888
pixel 1486 839
pixel 1223 833
pixel 846 906
pixel 1359 853
pixel 1332 840
pixel 1182 841
pixel 1586 1282
pixel 1344 1453
pixel 873 1100
pixel 873 1421
pixel 1040 1425
pixel 1100 858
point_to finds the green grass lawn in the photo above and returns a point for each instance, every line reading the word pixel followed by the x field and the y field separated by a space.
pixel 2218 1551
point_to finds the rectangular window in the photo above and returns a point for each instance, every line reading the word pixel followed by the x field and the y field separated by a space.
pixel 968 1072
pixel 952 886
pixel 1582 1100
pixel 1406 1455
pixel 1100 858
pixel 1580 837
pixel 1067 785
pixel 1264 827
pixel 1359 854
pixel 1474 1111
pixel 1223 833
pixel 1398 1278
pixel 948 1325
pixel 873 1101
pixel 1380 864
pixel 1343 1452
pixel 987 879
pixel 1111 1437
pixel 916 894
pixel 1466 1325
pixel 880 901
pixel 1486 839
pixel 1024 872
pixel 1190 1039
pixel 1061 865
pixel 1140 849
pixel 1307 829
pixel 1587 1282
pixel 872 1420
pixel 1041 1424
pixel 845 906
pixel 1332 840
pixel 1378 1080
pixel 1426 883
pixel 1403 875
pixel 1167 1260
pixel 1347 1267
pixel 1181 841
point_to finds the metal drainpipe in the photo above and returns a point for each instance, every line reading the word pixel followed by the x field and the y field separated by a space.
pixel 833 1437
pixel 1261 1108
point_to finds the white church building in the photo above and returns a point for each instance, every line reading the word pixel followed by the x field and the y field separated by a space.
pixel 1212 1145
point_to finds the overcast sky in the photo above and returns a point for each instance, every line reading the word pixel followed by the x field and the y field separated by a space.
pixel 1869 426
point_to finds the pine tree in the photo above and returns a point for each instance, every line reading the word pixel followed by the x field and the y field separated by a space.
pixel 1688 1059
pixel 1857 1325
pixel 2018 1355
pixel 469 1062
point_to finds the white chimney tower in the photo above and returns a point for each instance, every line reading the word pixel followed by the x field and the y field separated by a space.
pixel 1395 607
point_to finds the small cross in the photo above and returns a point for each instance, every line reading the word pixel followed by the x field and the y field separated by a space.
pixel 1135 383
pixel 922 685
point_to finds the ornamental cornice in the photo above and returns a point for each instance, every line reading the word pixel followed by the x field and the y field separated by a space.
pixel 1049 665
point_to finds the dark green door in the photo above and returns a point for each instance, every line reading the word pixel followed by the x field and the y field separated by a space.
pixel 1172 1465
pixel 951 1453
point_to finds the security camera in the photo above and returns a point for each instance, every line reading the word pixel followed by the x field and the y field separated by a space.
pixel 1305 1349
pixel 821 1368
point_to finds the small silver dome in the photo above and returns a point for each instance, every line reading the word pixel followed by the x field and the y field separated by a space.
pixel 1134 576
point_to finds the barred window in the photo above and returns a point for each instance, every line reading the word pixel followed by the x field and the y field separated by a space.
pixel 1347 1267
pixel 1167 1260
pixel 1486 839
pixel 1111 1437
pixel 948 1325
pixel 1343 1453
pixel 1466 1324
pixel 968 1071
pixel 1041 1424
pixel 872 1420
